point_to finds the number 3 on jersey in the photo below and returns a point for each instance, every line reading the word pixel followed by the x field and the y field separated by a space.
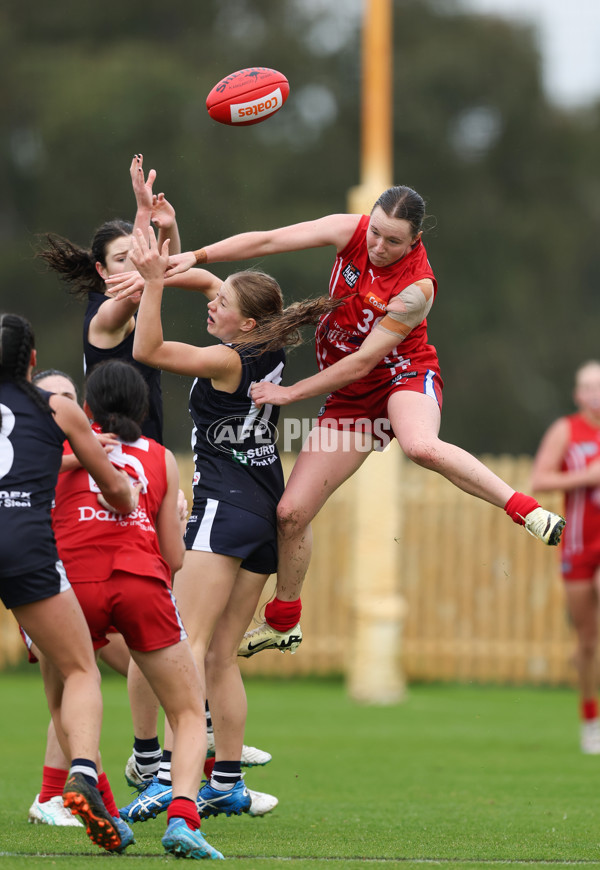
pixel 369 320
pixel 7 452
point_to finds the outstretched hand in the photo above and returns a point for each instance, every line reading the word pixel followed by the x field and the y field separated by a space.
pixel 266 393
pixel 125 285
pixel 163 213
pixel 146 257
pixel 141 188
pixel 180 263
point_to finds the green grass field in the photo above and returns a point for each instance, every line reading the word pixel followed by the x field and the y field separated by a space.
pixel 458 776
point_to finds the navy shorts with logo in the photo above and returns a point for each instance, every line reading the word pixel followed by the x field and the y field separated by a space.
pixel 218 527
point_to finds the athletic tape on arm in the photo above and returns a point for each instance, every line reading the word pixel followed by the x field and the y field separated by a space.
pixel 410 307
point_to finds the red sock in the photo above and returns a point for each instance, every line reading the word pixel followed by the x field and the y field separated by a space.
pixel 107 795
pixel 208 767
pixel 589 709
pixel 53 782
pixel 283 615
pixel 519 505
pixel 184 808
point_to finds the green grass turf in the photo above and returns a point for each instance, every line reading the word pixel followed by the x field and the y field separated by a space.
pixel 464 776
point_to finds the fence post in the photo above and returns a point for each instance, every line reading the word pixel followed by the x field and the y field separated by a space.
pixel 374 673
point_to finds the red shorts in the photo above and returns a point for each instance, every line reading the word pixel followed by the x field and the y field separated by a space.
pixel 580 566
pixel 143 609
pixel 368 413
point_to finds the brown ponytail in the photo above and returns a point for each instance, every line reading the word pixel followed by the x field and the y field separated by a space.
pixel 259 296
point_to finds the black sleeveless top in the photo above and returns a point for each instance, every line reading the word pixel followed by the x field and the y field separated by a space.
pixel 153 425
pixel 234 442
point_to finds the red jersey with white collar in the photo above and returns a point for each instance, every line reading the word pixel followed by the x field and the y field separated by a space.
pixel 92 541
pixel 582 505
pixel 369 290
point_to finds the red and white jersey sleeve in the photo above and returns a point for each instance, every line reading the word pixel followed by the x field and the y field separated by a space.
pixel 582 506
pixel 92 541
pixel 367 291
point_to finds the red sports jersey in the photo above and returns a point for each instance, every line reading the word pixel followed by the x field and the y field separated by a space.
pixel 582 505
pixel 369 290
pixel 94 542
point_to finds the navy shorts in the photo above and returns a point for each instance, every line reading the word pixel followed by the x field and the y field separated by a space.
pixel 218 527
pixel 34 586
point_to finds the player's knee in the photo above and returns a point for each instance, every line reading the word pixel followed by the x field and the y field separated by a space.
pixel 291 520
pixel 422 452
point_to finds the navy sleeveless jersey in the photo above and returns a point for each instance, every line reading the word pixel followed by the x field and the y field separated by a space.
pixel 153 425
pixel 31 448
pixel 234 442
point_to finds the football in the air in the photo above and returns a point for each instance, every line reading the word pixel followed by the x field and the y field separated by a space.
pixel 248 96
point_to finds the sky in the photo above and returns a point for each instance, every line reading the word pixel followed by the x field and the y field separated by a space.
pixel 568 32
pixel 569 39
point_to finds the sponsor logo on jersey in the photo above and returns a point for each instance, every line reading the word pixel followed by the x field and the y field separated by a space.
pixel 138 517
pixel 260 456
pixel 375 302
pixel 248 440
pixel 351 275
pixel 14 498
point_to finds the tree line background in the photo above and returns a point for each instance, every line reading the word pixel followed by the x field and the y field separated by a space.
pixel 511 181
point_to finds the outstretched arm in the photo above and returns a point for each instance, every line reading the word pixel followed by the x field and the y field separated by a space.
pixel 149 345
pixel 127 284
pixel 405 312
pixel 113 321
pixel 345 371
pixel 334 229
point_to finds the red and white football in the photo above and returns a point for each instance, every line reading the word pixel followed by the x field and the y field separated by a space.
pixel 248 96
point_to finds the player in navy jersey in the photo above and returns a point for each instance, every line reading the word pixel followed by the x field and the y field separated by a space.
pixel 109 324
pixel 231 536
pixel 378 369
pixel 33 582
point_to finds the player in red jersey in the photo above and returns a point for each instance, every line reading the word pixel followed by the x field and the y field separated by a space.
pixel 121 570
pixel 568 459
pixel 47 807
pixel 381 375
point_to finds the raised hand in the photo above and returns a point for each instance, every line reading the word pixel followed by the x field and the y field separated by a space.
pixel 142 188
pixel 146 257
pixel 163 213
